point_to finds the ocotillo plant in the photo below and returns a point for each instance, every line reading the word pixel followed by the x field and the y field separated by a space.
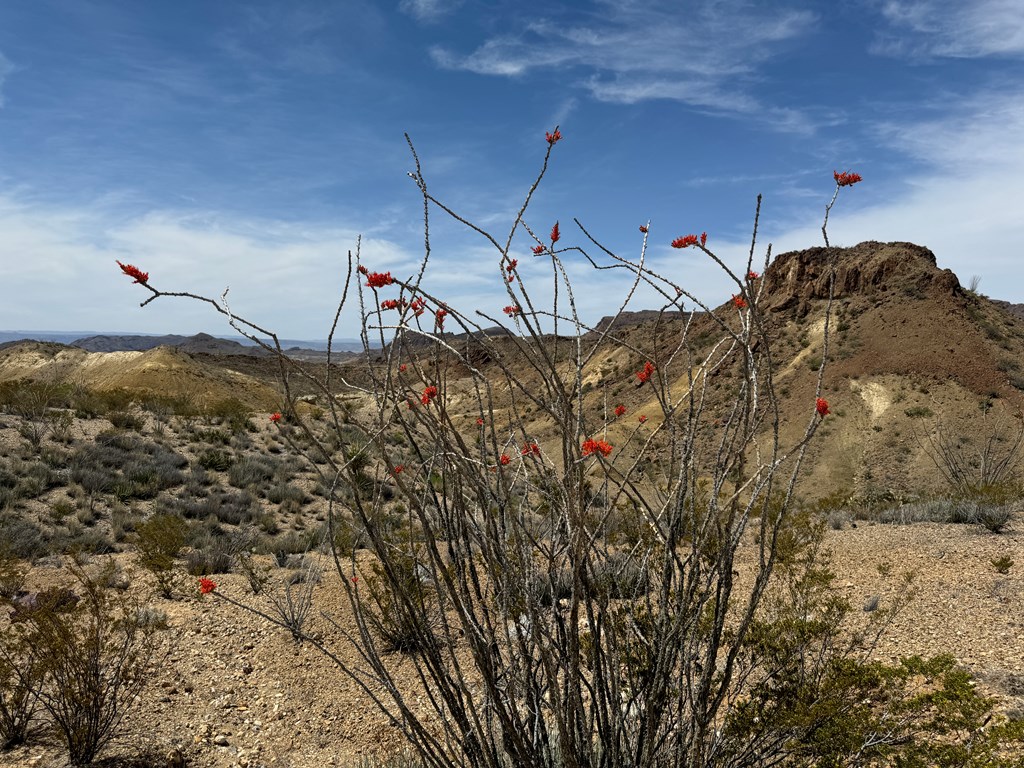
pixel 561 570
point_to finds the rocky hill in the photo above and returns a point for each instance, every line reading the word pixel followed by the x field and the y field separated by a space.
pixel 910 352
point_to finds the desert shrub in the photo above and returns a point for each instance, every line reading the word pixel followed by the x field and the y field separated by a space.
pixel 21 677
pixel 23 538
pixel 125 420
pixel 919 412
pixel 232 412
pixel 252 471
pixel 281 492
pixel 159 541
pixel 994 517
pixel 90 541
pixel 61 423
pixel 404 604
pixel 216 460
pixel 165 406
pixel 291 601
pixel 92 654
pixel 225 506
pixel 127 466
pixel 1002 564
pixel 256 575
pixel 215 557
pixel 213 436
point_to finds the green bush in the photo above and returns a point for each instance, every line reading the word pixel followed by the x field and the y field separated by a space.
pixel 215 460
pixel 159 541
pixel 92 654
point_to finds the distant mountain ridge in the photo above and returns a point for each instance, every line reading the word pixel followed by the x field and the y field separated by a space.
pixel 199 343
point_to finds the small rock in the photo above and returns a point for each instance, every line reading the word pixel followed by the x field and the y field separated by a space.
pixel 221 740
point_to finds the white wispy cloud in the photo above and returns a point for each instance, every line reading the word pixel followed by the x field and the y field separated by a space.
pixel 952 28
pixel 963 203
pixel 635 51
pixel 429 10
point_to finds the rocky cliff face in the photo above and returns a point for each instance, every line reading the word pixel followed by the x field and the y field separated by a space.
pixel 796 278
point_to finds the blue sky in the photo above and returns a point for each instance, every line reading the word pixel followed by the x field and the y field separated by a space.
pixel 220 144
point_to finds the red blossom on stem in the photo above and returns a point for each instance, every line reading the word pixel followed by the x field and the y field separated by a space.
pixel 512 310
pixel 362 270
pixel 439 317
pixel 643 229
pixel 275 417
pixel 399 468
pixel 821 406
pixel 591 447
pixel 739 301
pixel 512 265
pixel 538 249
pixel 555 234
pixel 620 410
pixel 206 586
pixel 752 275
pixel 553 138
pixel 846 178
pixel 645 374
pixel 505 459
pixel 401 368
pixel 685 241
pixel 531 448
pixel 479 422
pixel 379 279
pixel 132 271
pixel 392 304
pixel 428 394
pixel 418 306
pixel 703 239
pixel 642 419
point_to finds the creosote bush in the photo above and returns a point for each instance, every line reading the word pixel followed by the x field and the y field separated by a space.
pixel 81 656
pixel 536 637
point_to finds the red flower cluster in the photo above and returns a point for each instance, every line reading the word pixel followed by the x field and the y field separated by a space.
pixel 206 586
pixel 479 422
pixel 531 448
pixel 846 179
pixel 645 374
pixel 401 368
pixel 821 406
pixel 643 229
pixel 752 275
pixel 275 417
pixel 538 249
pixel 642 419
pixel 362 270
pixel 620 410
pixel 685 241
pixel 505 459
pixel 418 306
pixel 555 234
pixel 739 301
pixel 133 271
pixel 512 310
pixel 392 304
pixel 428 394
pixel 591 446
pixel 553 138
pixel 399 468
pixel 379 279
pixel 439 317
